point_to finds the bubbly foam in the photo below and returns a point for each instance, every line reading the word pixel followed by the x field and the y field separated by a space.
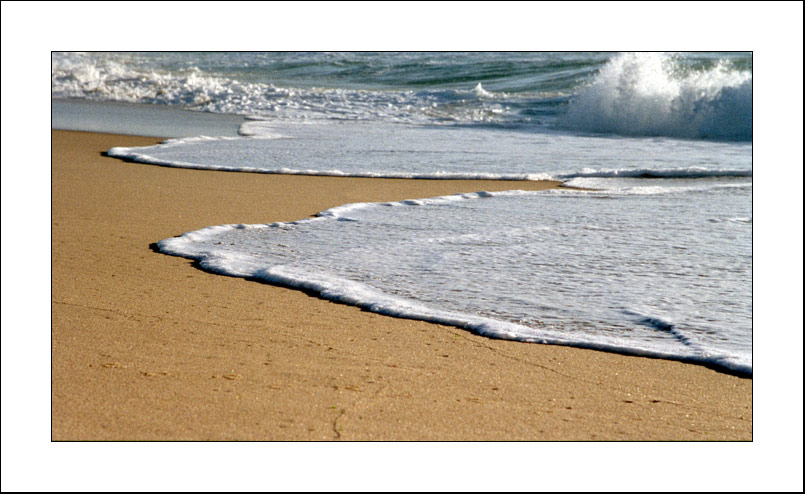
pixel 524 276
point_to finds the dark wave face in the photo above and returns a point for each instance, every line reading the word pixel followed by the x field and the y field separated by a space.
pixel 699 96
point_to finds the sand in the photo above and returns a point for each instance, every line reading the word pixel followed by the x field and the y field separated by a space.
pixel 147 347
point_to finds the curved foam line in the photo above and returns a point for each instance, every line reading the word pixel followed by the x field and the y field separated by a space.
pixel 360 295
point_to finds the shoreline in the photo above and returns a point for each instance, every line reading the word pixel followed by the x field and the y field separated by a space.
pixel 147 347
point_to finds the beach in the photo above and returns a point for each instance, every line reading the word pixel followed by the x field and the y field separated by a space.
pixel 147 346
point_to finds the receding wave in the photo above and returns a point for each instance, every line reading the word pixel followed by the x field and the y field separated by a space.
pixel 342 254
pixel 651 94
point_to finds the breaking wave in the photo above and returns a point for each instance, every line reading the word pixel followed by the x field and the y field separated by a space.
pixel 653 94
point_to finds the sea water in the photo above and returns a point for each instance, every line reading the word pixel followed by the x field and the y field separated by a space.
pixel 650 253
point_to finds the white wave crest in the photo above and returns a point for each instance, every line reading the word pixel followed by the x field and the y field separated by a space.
pixel 123 78
pixel 649 94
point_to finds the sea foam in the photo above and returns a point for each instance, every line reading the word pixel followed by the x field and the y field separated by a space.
pixel 517 265
pixel 395 150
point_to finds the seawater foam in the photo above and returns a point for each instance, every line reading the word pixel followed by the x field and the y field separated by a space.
pixel 394 150
pixel 516 265
pixel 138 79
pixel 650 94
pixel 112 77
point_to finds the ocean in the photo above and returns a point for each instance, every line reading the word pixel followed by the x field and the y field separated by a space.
pixel 647 250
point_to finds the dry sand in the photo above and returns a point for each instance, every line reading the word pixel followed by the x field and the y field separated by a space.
pixel 147 347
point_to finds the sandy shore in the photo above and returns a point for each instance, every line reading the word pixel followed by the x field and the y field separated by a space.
pixel 147 347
